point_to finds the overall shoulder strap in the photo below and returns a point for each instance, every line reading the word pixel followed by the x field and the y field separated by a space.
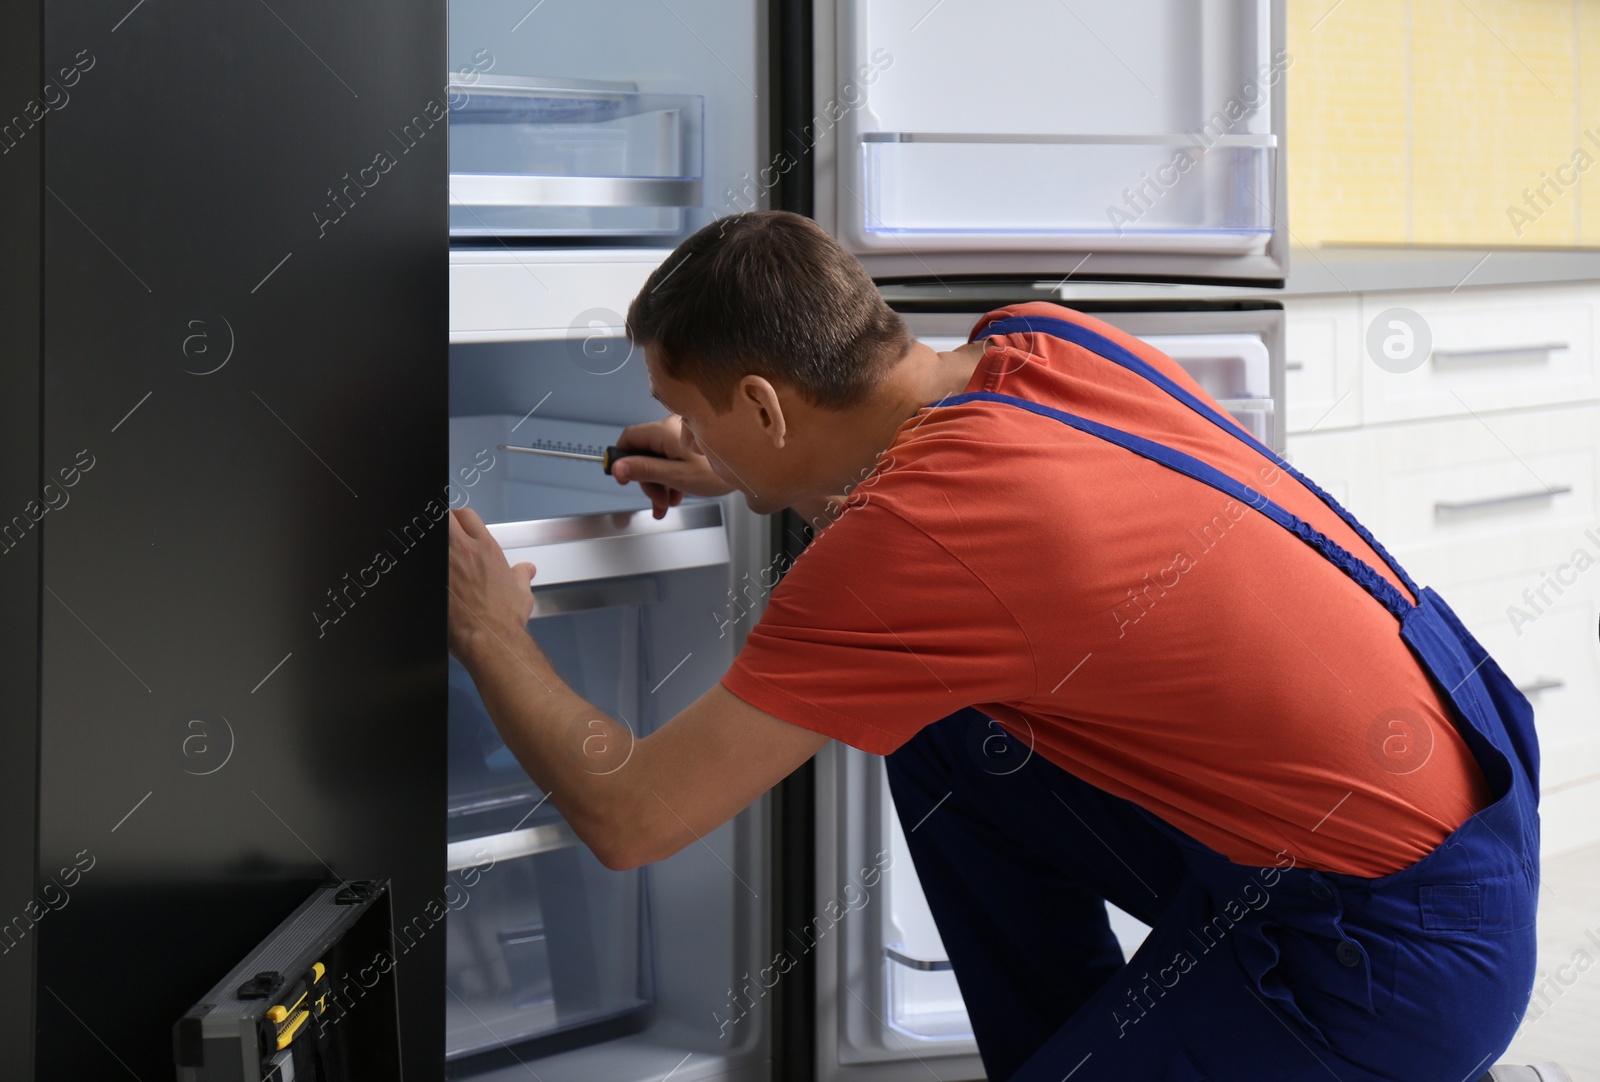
pixel 1375 584
pixel 1104 347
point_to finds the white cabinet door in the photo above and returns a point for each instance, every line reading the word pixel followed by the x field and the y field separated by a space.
pixel 966 137
pixel 1467 499
pixel 1480 352
pixel 1461 501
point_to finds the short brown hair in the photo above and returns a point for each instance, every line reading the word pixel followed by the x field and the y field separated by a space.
pixel 768 293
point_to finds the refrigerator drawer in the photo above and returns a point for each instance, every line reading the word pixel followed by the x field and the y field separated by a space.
pixel 571 158
pixel 595 647
pixel 541 943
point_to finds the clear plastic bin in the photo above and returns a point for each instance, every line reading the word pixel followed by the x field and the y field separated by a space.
pixel 1010 187
pixel 571 158
pixel 540 944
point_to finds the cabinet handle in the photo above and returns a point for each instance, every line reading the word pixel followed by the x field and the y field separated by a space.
pixel 926 965
pixel 1455 507
pixel 1543 683
pixel 1445 356
pixel 1295 366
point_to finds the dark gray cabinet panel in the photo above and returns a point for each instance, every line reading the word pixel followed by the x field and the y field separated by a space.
pixel 222 597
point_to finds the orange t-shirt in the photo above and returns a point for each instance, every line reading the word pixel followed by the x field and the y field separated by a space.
pixel 1137 628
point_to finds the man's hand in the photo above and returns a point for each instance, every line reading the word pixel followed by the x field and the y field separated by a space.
pixel 489 599
pixel 666 480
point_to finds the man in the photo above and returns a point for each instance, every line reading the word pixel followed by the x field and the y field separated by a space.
pixel 1113 648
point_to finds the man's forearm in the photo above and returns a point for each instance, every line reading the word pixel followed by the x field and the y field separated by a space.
pixel 569 748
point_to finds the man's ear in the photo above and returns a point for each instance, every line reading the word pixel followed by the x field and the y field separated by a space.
pixel 761 397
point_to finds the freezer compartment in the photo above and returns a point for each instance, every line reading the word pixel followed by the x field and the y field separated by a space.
pixel 541 939
pixel 1134 193
pixel 571 158
pixel 566 516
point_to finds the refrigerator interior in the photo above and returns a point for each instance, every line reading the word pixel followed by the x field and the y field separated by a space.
pixel 606 121
pixel 553 961
pixel 896 1012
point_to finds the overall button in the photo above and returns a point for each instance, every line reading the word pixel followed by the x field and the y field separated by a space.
pixel 1321 891
pixel 1348 954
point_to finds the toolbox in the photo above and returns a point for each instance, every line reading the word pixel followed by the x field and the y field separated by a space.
pixel 314 1002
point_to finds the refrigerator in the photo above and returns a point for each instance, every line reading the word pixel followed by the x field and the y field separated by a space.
pixel 1126 159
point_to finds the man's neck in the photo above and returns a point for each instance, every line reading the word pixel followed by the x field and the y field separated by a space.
pixel 855 438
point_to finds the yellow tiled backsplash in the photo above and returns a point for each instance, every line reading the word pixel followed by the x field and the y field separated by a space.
pixel 1469 122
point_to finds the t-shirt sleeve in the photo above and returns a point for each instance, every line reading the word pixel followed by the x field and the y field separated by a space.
pixel 877 630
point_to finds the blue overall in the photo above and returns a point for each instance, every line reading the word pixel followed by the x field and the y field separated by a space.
pixel 1248 974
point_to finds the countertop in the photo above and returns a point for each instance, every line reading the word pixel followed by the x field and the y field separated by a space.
pixel 1323 271
pixel 1369 270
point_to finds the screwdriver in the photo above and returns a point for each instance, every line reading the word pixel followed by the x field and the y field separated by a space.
pixel 606 456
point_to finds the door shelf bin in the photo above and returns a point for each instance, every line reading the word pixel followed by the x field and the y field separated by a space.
pixel 1234 369
pixel 1155 192
pixel 924 1001
pixel 573 158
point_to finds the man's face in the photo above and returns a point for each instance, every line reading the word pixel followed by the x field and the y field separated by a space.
pixel 739 448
